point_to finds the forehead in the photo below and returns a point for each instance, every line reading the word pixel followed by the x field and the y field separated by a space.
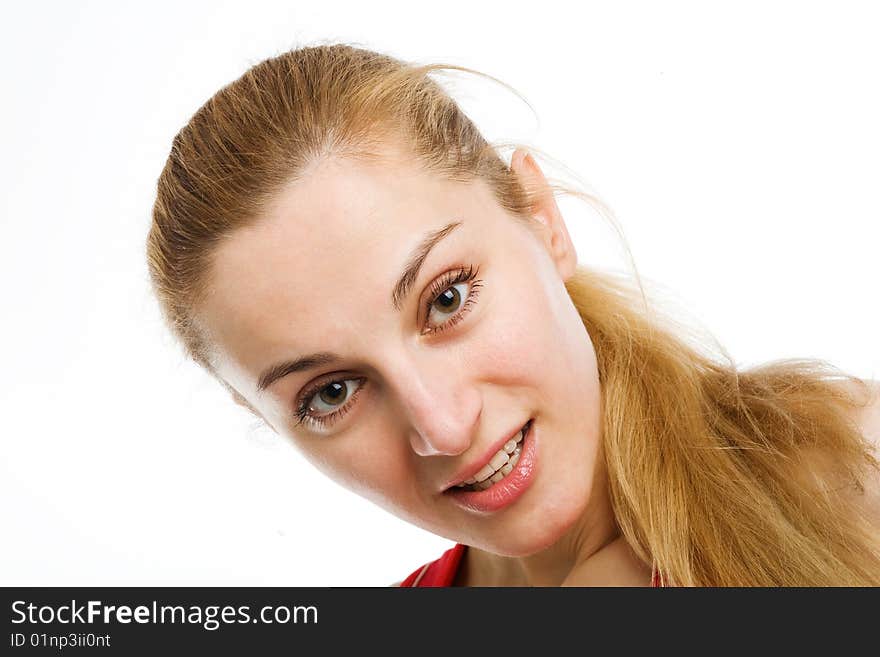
pixel 319 265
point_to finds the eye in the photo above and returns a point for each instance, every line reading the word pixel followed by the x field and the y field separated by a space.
pixel 327 401
pixel 450 298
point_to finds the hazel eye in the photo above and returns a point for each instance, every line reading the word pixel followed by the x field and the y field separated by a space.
pixel 333 395
pixel 451 298
pixel 325 403
pixel 448 302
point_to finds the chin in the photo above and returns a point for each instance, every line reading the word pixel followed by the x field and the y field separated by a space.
pixel 541 528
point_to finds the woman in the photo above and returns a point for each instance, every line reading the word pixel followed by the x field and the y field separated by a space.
pixel 337 244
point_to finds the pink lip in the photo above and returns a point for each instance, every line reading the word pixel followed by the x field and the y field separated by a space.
pixel 475 467
pixel 507 490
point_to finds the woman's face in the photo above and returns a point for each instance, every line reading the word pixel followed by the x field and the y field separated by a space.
pixel 413 397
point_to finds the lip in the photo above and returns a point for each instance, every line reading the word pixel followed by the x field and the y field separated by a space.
pixel 509 489
pixel 477 465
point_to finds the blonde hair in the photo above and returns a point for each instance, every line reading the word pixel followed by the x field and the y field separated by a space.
pixel 705 463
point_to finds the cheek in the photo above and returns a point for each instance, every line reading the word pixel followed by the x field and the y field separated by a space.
pixel 367 462
pixel 531 335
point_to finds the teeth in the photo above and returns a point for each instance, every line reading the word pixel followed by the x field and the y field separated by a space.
pixel 499 459
pixel 505 470
pixel 486 472
pixel 498 467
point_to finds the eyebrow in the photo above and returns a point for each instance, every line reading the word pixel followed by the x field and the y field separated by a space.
pixel 401 290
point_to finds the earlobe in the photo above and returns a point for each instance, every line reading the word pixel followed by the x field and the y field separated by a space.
pixel 546 211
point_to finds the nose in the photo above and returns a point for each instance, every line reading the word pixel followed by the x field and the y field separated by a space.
pixel 440 408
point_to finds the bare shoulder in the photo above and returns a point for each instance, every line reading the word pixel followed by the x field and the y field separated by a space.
pixel 868 417
pixel 871 416
pixel 819 467
pixel 868 420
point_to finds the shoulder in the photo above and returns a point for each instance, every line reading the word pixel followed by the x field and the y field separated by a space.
pixel 818 466
pixel 867 418
pixel 867 415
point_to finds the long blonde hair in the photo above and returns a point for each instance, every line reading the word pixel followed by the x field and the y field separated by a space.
pixel 714 472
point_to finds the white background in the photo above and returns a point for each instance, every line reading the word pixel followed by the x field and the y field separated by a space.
pixel 737 146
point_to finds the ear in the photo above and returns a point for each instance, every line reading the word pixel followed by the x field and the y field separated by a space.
pixel 552 227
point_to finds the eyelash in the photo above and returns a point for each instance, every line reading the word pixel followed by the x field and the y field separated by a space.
pixel 454 277
pixel 449 279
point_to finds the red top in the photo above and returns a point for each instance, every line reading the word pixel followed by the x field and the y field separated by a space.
pixel 442 571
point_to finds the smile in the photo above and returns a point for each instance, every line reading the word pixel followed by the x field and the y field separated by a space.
pixel 504 479
pixel 499 466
